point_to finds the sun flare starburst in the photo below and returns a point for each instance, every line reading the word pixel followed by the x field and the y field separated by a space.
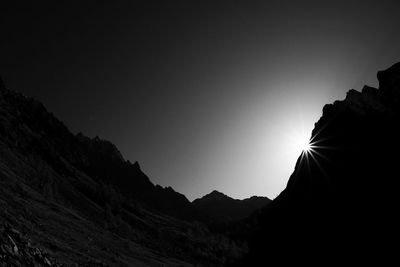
pixel 299 142
pixel 306 147
pixel 313 154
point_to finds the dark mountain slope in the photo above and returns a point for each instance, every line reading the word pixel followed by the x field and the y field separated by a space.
pixel 80 202
pixel 340 204
pixel 28 127
pixel 222 208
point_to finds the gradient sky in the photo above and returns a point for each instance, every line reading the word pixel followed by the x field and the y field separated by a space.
pixel 205 95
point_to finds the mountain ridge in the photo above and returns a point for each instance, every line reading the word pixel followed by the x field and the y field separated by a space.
pixel 56 186
pixel 80 202
pixel 223 208
pixel 325 213
pixel 217 193
pixel 96 157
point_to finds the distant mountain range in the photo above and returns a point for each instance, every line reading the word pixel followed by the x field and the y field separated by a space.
pixel 222 208
pixel 74 196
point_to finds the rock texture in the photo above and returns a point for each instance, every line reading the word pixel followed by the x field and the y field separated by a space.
pixel 17 250
pixel 222 208
pixel 340 204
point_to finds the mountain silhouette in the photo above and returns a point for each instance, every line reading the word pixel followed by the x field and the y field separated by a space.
pixel 222 208
pixel 27 126
pixel 340 204
pixel 74 200
pixel 69 199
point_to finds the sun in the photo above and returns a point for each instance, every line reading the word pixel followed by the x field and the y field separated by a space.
pixel 306 146
pixel 299 142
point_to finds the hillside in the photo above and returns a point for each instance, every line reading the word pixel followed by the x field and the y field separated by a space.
pixel 70 199
pixel 27 126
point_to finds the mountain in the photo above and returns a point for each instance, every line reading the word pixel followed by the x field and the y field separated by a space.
pixel 68 199
pixel 222 208
pixel 340 204
pixel 27 126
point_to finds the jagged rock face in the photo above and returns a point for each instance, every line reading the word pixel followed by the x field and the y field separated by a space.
pixel 222 208
pixel 340 203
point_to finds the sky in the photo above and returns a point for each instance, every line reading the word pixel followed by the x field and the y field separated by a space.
pixel 205 95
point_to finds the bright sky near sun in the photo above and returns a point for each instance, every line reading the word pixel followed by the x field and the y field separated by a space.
pixel 205 95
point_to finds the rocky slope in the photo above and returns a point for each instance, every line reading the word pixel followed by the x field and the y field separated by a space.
pixel 78 201
pixel 222 208
pixel 340 204
pixel 27 126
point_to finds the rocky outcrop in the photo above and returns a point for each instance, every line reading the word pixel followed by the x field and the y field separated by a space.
pixel 18 250
pixel 222 208
pixel 340 203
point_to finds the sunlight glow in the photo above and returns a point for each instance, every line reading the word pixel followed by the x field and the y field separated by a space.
pixel 306 146
pixel 313 152
pixel 299 142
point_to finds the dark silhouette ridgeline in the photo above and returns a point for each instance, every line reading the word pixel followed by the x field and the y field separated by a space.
pixel 341 203
pixel 222 208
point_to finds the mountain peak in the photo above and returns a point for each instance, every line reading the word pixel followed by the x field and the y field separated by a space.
pixel 136 165
pixel 389 83
pixel 216 193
